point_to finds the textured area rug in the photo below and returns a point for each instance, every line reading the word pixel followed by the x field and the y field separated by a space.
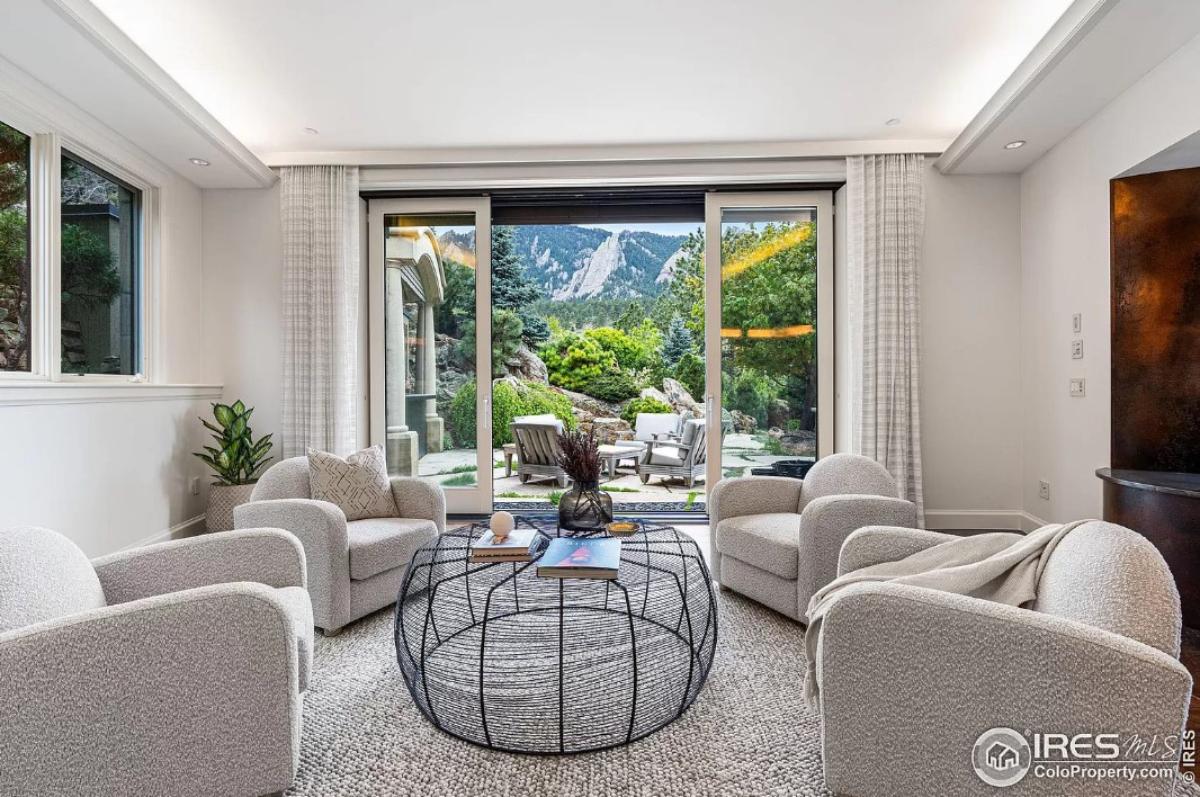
pixel 749 732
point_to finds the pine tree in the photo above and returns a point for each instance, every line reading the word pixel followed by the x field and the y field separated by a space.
pixel 511 287
pixel 677 343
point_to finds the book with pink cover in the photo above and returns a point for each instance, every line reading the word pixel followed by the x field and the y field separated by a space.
pixel 568 557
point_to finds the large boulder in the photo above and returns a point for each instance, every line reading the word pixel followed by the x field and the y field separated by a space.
pixel 742 422
pixel 527 365
pixel 654 393
pixel 680 400
pixel 795 443
pixel 587 408
pixel 449 354
pixel 610 430
pixel 448 383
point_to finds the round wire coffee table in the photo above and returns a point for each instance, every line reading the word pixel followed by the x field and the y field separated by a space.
pixel 497 656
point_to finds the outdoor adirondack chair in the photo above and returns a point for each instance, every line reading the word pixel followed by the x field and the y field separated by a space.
pixel 680 459
pixel 536 438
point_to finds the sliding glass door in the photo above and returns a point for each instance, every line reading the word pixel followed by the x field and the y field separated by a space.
pixel 768 330
pixel 430 325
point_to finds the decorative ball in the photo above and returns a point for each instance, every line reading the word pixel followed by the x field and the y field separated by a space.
pixel 502 525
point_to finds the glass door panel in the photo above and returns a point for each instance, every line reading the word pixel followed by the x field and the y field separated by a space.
pixel 769 344
pixel 429 292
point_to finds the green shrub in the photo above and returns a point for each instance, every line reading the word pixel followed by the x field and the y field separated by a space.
pixel 507 329
pixel 643 404
pixel 574 361
pixel 690 373
pixel 508 402
pixel 633 350
pixel 616 386
pixel 749 392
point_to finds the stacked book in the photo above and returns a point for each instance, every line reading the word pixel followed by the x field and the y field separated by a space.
pixel 568 557
pixel 519 546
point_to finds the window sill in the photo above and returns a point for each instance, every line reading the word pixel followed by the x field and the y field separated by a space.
pixel 30 393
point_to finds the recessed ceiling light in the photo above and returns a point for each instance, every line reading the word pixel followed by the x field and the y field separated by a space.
pixel 1020 142
pixel 200 161
pixel 892 122
pixel 312 131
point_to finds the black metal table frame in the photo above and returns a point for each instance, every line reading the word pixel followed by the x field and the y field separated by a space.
pixel 518 568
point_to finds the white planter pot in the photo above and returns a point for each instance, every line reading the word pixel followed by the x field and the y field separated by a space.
pixel 222 499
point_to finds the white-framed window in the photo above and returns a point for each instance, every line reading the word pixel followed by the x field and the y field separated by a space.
pixel 16 250
pixel 74 257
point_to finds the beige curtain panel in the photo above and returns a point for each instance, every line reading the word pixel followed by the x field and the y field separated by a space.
pixel 886 199
pixel 320 210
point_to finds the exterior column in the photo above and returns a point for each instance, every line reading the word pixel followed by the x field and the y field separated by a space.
pixel 401 444
pixel 435 427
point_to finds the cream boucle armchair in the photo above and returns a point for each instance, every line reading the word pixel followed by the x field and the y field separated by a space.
pixel 173 669
pixel 776 540
pixel 911 677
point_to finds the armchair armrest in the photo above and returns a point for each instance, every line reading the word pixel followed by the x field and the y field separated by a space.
pixel 873 545
pixel 752 495
pixel 825 524
pixel 321 528
pixel 268 556
pixel 913 674
pixel 189 693
pixel 416 498
pixel 747 495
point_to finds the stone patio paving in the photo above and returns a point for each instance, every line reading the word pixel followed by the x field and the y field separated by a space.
pixel 457 468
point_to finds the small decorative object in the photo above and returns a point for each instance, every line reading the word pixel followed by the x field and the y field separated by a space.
pixel 502 525
pixel 621 528
pixel 237 460
pixel 584 507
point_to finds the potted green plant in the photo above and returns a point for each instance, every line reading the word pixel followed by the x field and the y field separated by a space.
pixel 237 460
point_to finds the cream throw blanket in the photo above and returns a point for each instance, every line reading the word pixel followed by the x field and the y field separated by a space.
pixel 1001 567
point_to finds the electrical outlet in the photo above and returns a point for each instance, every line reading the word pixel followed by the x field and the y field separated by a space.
pixel 1077 323
pixel 1044 490
pixel 1077 350
pixel 194 485
pixel 1078 388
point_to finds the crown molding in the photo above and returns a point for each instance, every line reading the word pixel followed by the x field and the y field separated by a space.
pixel 95 26
pixel 603 154
pixel 1070 29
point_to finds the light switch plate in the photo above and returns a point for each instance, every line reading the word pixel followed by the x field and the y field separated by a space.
pixel 1077 350
pixel 1078 388
pixel 1077 323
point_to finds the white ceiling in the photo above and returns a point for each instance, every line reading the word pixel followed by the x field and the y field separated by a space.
pixel 396 74
pixel 67 66
pixel 1097 50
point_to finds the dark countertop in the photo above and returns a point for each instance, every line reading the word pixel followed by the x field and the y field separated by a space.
pixel 1185 484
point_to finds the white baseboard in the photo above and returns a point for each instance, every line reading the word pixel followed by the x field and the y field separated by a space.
pixel 1002 519
pixel 1030 522
pixel 936 519
pixel 185 529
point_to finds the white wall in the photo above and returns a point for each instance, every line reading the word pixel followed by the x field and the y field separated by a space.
pixel 115 470
pixel 970 350
pixel 243 300
pixel 112 473
pixel 1065 270
pixel 970 339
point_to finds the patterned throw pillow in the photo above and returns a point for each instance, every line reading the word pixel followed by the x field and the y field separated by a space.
pixel 358 484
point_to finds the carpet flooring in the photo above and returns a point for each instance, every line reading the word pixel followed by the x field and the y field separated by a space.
pixel 748 733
